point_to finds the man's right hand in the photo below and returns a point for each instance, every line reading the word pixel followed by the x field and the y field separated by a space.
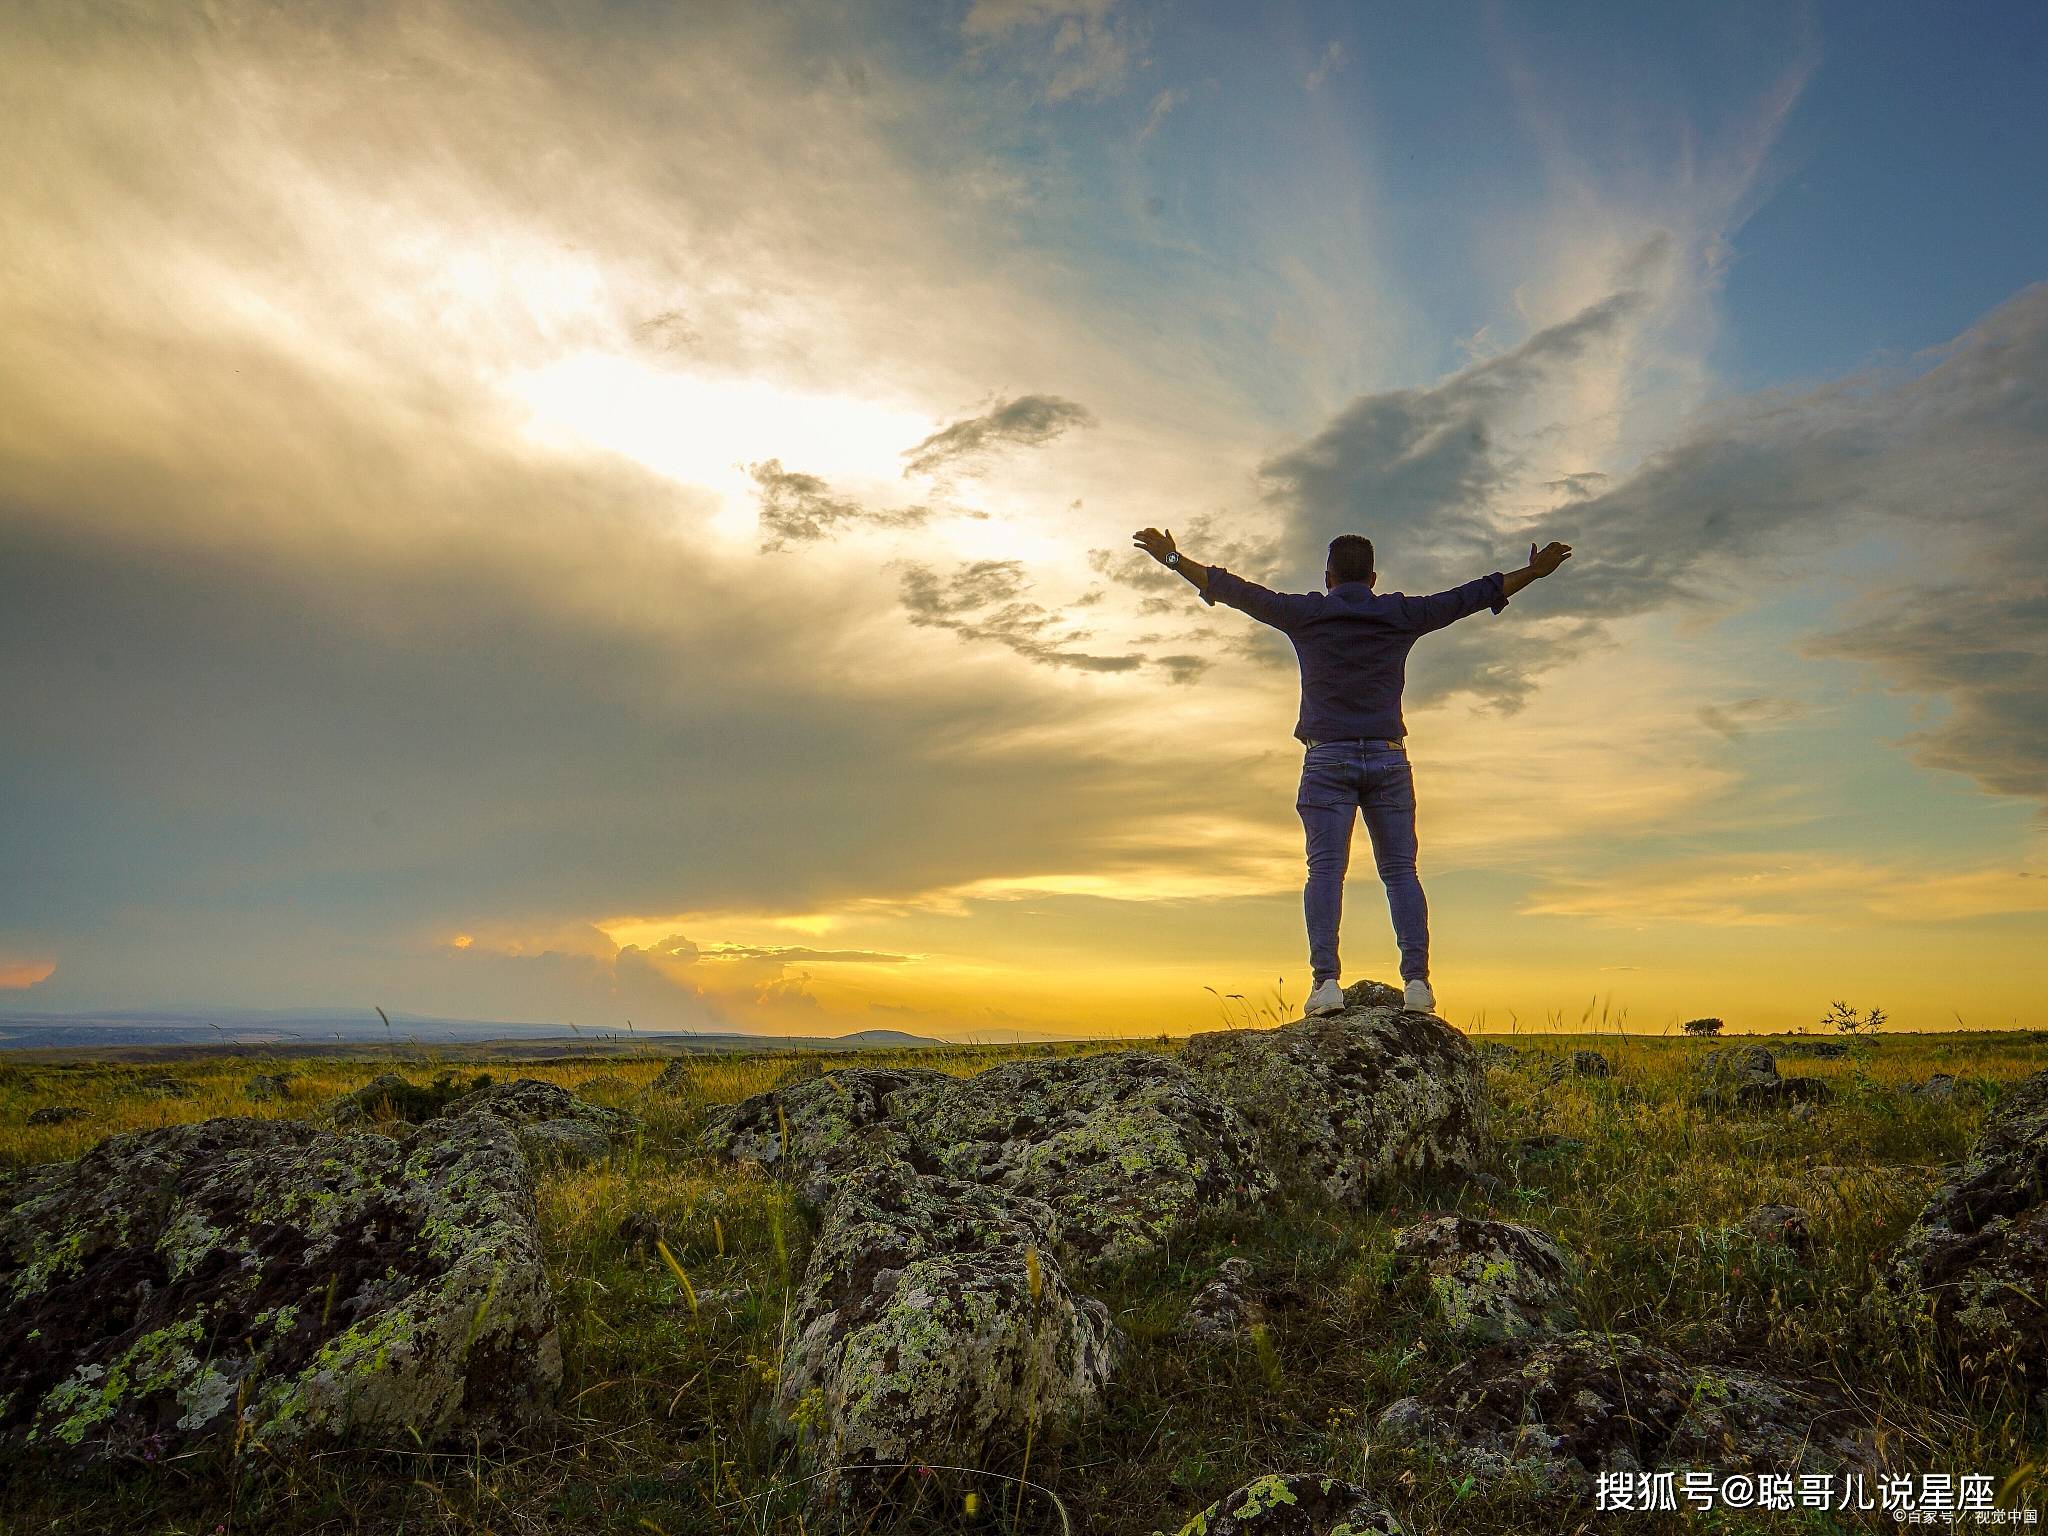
pixel 1549 558
pixel 1156 544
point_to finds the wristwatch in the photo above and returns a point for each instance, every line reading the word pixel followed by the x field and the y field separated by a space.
pixel 1173 559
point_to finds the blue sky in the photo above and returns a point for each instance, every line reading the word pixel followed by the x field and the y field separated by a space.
pixel 624 511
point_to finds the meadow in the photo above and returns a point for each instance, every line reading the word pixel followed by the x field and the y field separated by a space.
pixel 672 1275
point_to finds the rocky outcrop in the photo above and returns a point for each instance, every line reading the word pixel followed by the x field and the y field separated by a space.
pixel 934 1323
pixel 1126 1147
pixel 263 1086
pixel 1560 1410
pixel 1786 1224
pixel 1489 1279
pixel 388 1098
pixel 1978 1253
pixel 55 1114
pixel 788 1130
pixel 1352 1099
pixel 1295 1504
pixel 1591 1064
pixel 556 1128
pixel 1746 1077
pixel 164 1085
pixel 1223 1308
pixel 316 1287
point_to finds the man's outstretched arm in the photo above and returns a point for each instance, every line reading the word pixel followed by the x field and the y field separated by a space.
pixel 1439 609
pixel 1279 609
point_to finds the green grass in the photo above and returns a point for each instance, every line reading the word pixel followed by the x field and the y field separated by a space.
pixel 663 1428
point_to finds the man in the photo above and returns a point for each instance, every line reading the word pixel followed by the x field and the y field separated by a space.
pixel 1352 643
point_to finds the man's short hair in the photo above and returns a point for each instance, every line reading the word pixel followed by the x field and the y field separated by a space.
pixel 1351 557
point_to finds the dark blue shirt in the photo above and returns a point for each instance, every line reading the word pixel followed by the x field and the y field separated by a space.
pixel 1353 644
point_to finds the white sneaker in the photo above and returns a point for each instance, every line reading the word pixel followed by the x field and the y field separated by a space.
pixel 1327 998
pixel 1417 998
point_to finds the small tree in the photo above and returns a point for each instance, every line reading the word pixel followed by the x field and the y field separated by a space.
pixel 1848 1021
pixel 1701 1026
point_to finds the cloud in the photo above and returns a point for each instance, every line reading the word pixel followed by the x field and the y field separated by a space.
pixel 1332 60
pixel 1087 45
pixel 1028 421
pixel 1797 888
pixel 1162 104
pixel 1738 718
pixel 985 600
pixel 801 508
pixel 797 954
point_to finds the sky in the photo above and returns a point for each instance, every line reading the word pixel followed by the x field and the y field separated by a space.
pixel 622 513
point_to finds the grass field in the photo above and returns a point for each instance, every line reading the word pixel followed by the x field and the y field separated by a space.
pixel 662 1429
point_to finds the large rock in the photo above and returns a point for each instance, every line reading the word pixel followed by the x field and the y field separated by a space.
pixel 934 1324
pixel 1978 1253
pixel 787 1130
pixel 1561 1410
pixel 1222 1309
pixel 1294 1504
pixel 332 1287
pixel 1746 1077
pixel 1355 1098
pixel 1126 1147
pixel 1490 1279
pixel 555 1127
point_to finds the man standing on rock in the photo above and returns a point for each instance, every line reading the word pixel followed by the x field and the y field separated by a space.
pixel 1352 643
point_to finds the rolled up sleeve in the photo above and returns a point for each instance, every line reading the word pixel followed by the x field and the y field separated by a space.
pixel 1447 607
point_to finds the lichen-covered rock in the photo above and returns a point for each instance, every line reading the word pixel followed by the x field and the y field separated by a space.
pixel 1560 1410
pixel 268 1085
pixel 1126 1147
pixel 1787 1224
pixel 934 1324
pixel 676 1080
pixel 389 1098
pixel 1938 1089
pixel 328 1287
pixel 1726 1074
pixel 55 1114
pixel 556 1128
pixel 1352 1099
pixel 1295 1504
pixel 1490 1279
pixel 1591 1064
pixel 1978 1253
pixel 1494 1054
pixel 1372 994
pixel 787 1130
pixel 1224 1307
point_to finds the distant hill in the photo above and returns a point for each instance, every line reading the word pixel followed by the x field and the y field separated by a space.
pixel 311 1030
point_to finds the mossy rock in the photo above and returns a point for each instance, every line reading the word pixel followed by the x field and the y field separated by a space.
pixel 1977 1255
pixel 1295 1504
pixel 934 1324
pixel 1353 1099
pixel 1126 1146
pixel 327 1287
pixel 390 1097
pixel 1489 1280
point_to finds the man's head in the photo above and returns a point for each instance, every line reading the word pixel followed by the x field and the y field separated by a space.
pixel 1350 560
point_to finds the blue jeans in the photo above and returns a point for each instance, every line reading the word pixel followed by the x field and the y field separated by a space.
pixel 1339 779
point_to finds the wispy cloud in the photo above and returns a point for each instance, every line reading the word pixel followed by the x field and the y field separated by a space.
pixel 1331 60
pixel 1029 421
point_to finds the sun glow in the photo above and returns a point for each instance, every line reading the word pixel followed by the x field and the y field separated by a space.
pixel 705 430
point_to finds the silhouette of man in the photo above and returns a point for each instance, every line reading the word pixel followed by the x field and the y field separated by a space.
pixel 1353 643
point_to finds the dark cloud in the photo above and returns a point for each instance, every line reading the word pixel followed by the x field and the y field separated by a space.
pixel 1028 421
pixel 1419 470
pixel 802 508
pixel 985 600
pixel 1183 669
